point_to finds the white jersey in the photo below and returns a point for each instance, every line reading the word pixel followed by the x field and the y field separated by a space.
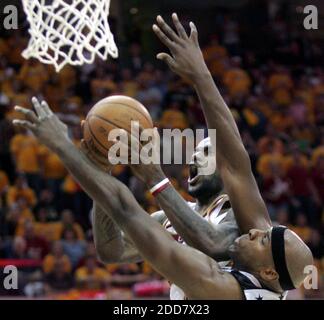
pixel 214 215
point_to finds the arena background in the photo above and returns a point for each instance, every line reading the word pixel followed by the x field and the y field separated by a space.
pixel 268 68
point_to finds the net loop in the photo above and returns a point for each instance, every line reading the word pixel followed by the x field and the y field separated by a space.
pixel 71 32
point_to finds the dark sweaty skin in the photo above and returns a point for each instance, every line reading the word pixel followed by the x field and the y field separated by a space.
pixel 214 240
pixel 252 251
pixel 198 275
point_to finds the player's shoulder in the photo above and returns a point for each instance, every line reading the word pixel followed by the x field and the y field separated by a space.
pixel 228 215
pixel 220 285
pixel 251 288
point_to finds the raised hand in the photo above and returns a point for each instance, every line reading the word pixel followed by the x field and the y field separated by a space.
pixel 186 58
pixel 147 168
pixel 44 124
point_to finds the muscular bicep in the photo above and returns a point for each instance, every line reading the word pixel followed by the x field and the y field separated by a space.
pixel 112 245
pixel 131 253
pixel 249 207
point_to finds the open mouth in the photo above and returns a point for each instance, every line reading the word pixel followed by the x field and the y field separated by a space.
pixel 193 174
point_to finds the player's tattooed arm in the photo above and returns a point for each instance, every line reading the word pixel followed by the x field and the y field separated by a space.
pixel 233 161
pixel 213 240
pixel 112 245
pixel 198 275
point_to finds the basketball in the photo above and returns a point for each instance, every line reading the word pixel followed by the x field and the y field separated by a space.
pixel 112 113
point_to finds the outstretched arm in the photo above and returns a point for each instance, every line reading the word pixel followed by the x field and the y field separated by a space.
pixel 195 273
pixel 113 246
pixel 232 159
pixel 213 240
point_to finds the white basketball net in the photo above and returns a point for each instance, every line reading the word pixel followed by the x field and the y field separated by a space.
pixel 69 31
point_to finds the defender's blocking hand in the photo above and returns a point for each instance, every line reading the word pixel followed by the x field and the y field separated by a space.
pixel 186 58
pixel 44 124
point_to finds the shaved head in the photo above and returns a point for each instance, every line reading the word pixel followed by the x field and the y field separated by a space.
pixel 298 256
pixel 253 252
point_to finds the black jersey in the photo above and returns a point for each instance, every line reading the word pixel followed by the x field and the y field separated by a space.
pixel 252 288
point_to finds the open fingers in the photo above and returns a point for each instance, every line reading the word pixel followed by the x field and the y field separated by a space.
pixel 46 108
pixel 24 124
pixel 178 25
pixel 163 38
pixel 167 59
pixel 39 109
pixel 29 114
pixel 167 29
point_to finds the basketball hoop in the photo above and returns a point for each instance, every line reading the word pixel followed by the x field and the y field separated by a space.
pixel 68 31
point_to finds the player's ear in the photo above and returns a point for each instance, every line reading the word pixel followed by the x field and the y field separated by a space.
pixel 269 274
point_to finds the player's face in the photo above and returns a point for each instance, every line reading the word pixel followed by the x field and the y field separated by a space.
pixel 202 183
pixel 252 251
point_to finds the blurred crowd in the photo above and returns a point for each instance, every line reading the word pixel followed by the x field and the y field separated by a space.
pixel 276 99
